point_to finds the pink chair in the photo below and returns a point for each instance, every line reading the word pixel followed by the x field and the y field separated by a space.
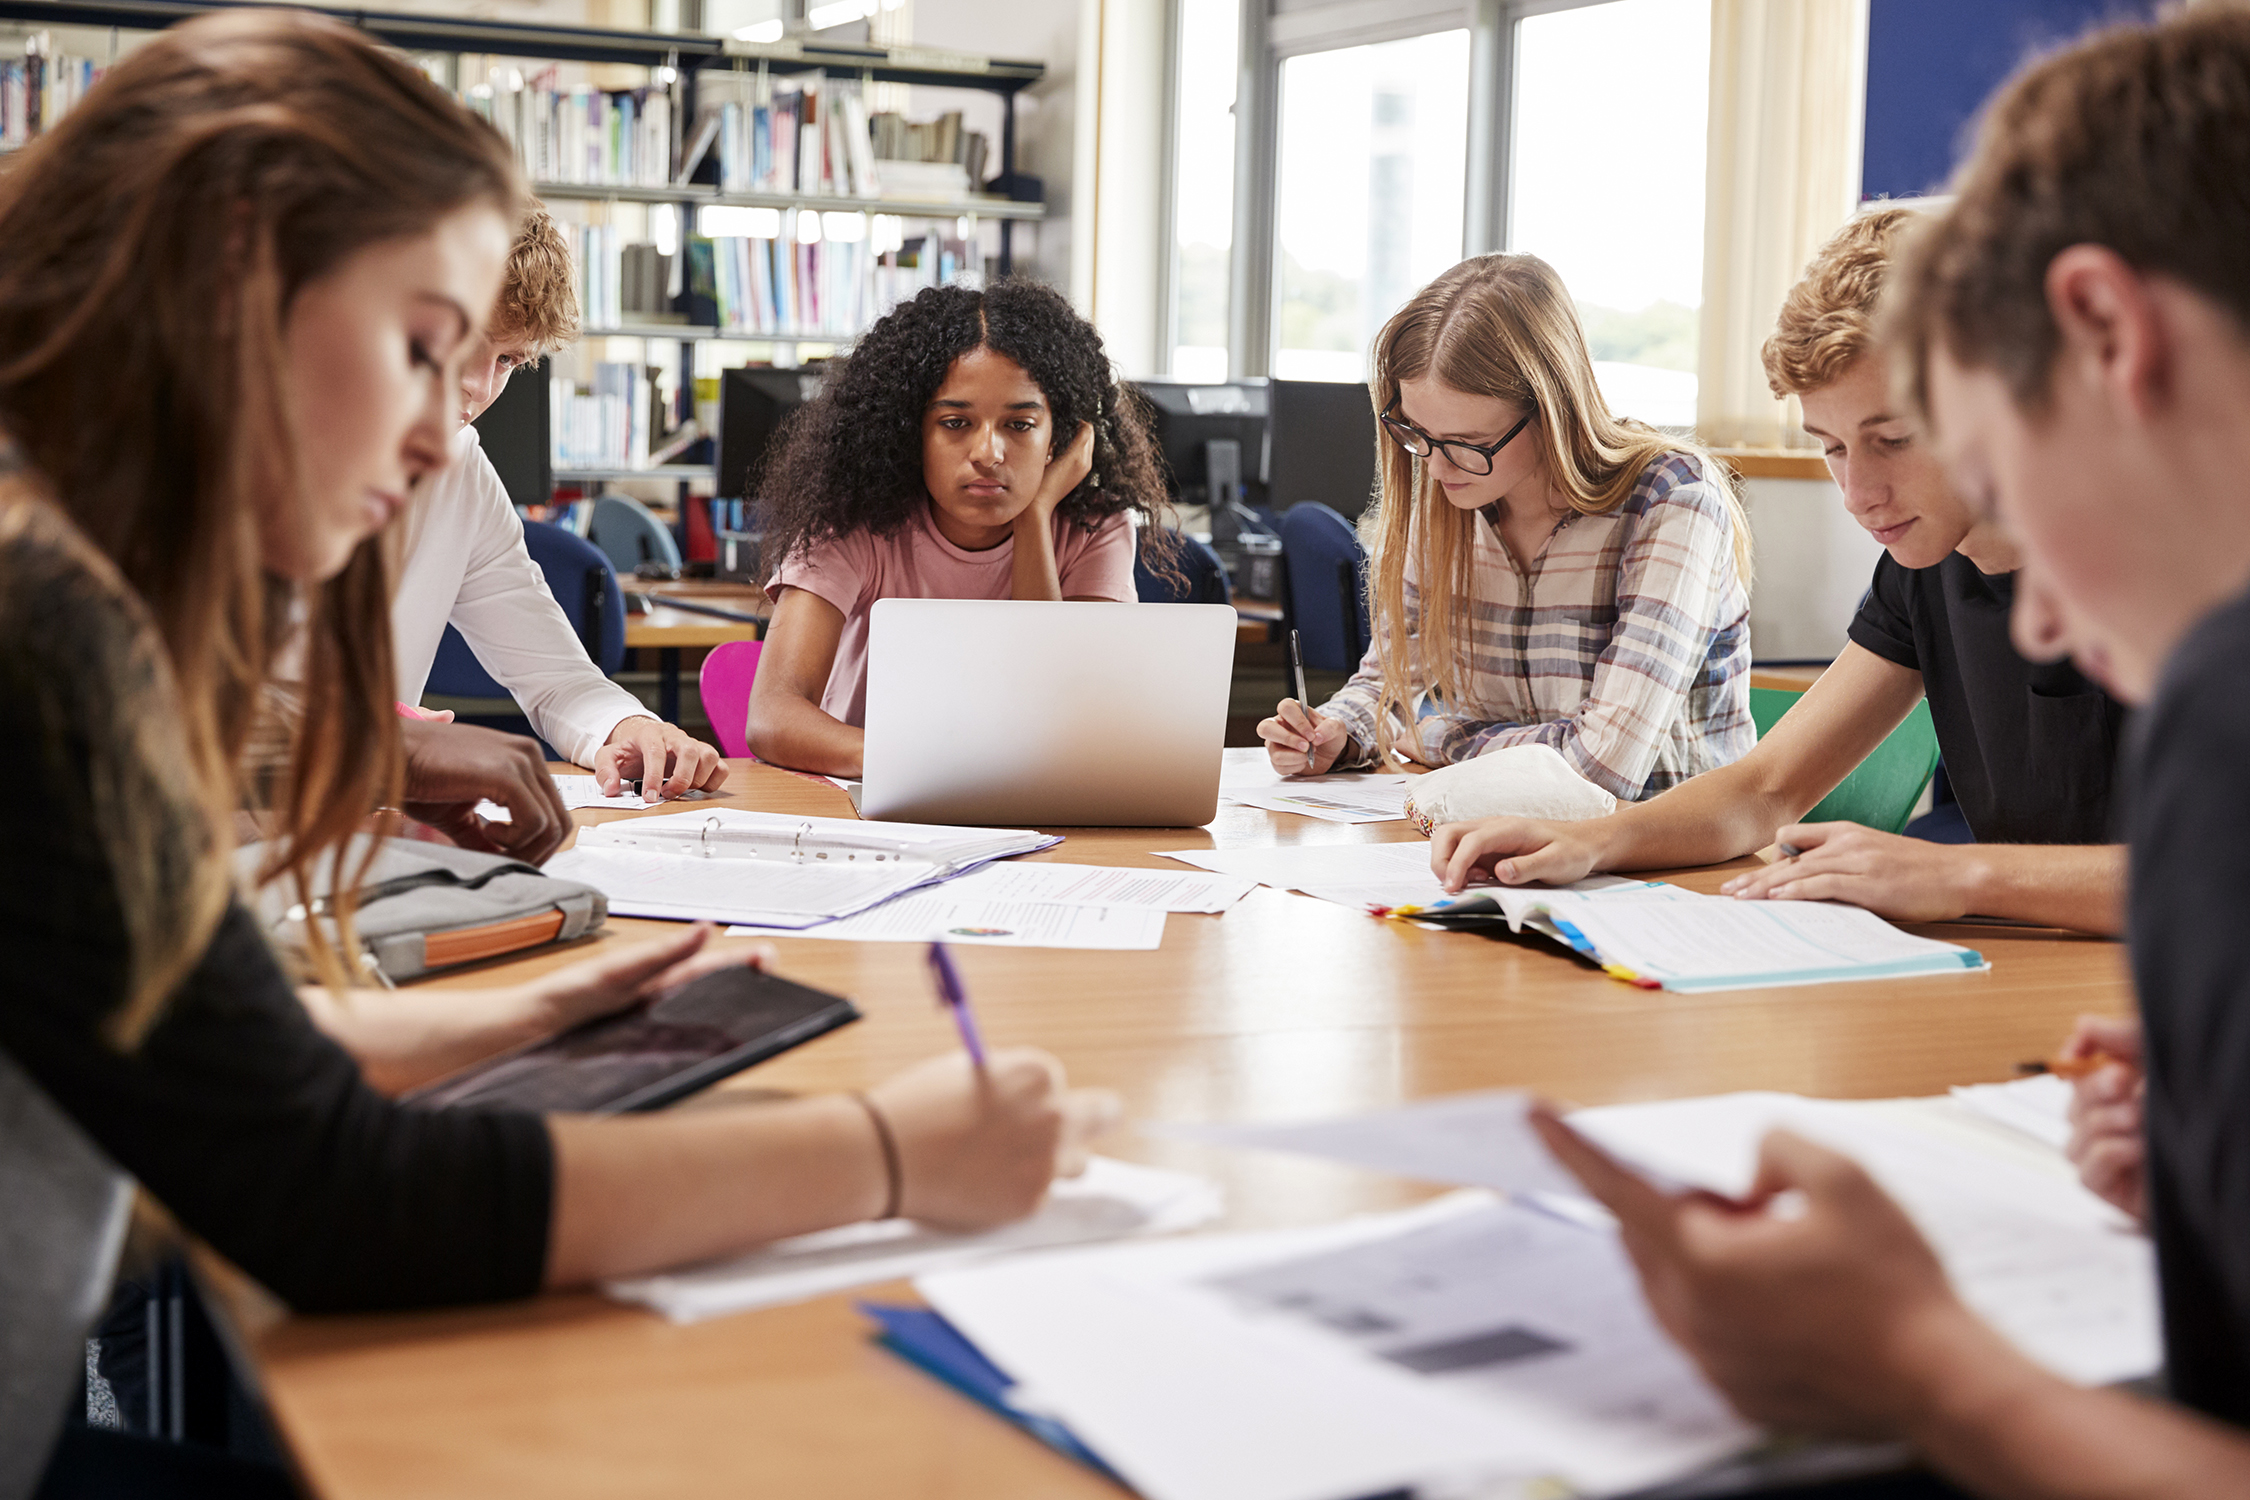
pixel 725 685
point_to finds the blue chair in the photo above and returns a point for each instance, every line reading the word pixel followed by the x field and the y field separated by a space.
pixel 583 583
pixel 1203 578
pixel 1324 586
pixel 629 534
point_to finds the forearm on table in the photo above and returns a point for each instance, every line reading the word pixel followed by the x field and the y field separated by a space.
pixel 638 1194
pixel 1720 815
pixel 404 1038
pixel 2080 886
pixel 791 731
pixel 2004 1427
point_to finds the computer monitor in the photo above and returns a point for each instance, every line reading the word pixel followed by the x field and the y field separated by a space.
pixel 1322 446
pixel 753 403
pixel 513 432
pixel 1190 415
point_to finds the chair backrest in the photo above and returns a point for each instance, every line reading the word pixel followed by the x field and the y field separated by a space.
pixel 583 583
pixel 1203 578
pixel 1325 589
pixel 725 686
pixel 629 534
pixel 1881 791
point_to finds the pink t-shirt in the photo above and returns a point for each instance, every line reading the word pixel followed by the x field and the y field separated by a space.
pixel 914 562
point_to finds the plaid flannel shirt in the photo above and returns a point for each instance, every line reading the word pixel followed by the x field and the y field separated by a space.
pixel 1625 646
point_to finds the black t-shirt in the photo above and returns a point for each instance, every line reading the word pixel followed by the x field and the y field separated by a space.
pixel 2030 749
pixel 245 1120
pixel 2189 817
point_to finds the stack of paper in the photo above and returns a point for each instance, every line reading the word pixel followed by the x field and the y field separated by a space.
pixel 1475 1346
pixel 771 869
pixel 1039 906
pixel 586 791
pixel 2037 1107
pixel 1248 779
pixel 1112 1200
pixel 1360 876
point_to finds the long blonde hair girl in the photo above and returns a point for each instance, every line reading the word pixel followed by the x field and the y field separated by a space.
pixel 1500 326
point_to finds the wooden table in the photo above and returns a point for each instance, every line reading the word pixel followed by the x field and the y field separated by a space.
pixel 1283 1007
pixel 1256 621
pixel 669 630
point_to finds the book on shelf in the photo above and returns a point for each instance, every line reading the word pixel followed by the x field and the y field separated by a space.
pixel 807 136
pixel 604 425
pixel 39 88
pixel 903 146
pixel 577 134
pixel 620 282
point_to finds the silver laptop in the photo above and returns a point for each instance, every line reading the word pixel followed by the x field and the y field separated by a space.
pixel 1034 715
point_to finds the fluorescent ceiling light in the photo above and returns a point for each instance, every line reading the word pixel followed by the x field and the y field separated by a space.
pixel 762 31
pixel 824 16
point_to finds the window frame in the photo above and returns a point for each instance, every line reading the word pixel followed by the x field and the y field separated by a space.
pixel 1274 31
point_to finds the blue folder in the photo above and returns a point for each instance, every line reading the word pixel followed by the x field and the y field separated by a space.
pixel 925 1339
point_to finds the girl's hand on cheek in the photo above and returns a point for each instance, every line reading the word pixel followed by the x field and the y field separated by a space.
pixel 1065 473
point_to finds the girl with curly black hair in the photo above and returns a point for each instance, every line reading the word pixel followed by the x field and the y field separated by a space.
pixel 974 446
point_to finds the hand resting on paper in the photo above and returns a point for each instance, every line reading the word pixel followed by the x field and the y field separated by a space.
pixel 1513 851
pixel 2106 1140
pixel 664 758
pixel 1898 878
pixel 1300 742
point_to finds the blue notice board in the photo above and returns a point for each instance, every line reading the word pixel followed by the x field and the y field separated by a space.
pixel 1931 64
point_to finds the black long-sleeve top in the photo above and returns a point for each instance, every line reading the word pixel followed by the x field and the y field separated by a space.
pixel 252 1127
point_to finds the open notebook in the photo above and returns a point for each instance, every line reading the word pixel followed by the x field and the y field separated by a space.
pixel 1664 937
pixel 758 869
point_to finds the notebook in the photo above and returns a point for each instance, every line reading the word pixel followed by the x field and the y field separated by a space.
pixel 756 869
pixel 1663 937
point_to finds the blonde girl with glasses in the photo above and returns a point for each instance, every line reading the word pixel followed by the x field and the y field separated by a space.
pixel 1592 573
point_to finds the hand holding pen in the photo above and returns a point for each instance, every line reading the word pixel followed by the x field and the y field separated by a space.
pixel 1298 741
pixel 954 996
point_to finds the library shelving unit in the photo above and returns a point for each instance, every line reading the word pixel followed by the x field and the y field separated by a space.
pixel 677 64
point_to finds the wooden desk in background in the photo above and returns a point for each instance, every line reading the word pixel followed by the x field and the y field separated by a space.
pixel 1283 1007
pixel 669 630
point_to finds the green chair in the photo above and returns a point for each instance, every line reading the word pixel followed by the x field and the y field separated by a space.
pixel 1882 790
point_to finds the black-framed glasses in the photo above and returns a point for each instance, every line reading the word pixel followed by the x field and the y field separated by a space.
pixel 1469 458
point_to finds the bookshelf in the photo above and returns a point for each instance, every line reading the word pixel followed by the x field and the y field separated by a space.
pixel 680 65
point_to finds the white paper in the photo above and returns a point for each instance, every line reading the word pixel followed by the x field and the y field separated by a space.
pixel 1477 1140
pixel 586 791
pixel 1356 875
pixel 1713 942
pixel 1111 1200
pixel 2039 1106
pixel 940 916
pixel 1195 1394
pixel 1332 799
pixel 1102 885
pixel 771 869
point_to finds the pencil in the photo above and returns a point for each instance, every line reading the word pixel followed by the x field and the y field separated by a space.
pixel 2066 1067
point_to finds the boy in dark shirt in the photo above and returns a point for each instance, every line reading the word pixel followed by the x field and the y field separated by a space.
pixel 2029 746
pixel 2078 325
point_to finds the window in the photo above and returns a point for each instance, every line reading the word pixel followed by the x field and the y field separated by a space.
pixel 1369 197
pixel 1607 185
pixel 1210 40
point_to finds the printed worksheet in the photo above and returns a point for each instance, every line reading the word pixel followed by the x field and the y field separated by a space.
pixel 941 915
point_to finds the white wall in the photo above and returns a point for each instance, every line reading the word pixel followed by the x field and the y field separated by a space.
pixel 1814 562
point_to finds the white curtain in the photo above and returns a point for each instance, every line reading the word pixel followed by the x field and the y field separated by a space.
pixel 1788 100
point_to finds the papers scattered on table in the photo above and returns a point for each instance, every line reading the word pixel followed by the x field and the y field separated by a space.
pixel 1248 779
pixel 1332 799
pixel 940 915
pixel 1104 885
pixel 770 869
pixel 1112 1200
pixel 1477 1140
pixel 1665 937
pixel 1464 1347
pixel 1356 875
pixel 586 791
pixel 2038 1107
pixel 1470 1346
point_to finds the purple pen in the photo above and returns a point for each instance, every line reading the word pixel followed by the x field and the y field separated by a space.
pixel 954 996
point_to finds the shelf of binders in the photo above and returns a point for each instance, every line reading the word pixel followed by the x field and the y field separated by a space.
pixel 980 207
